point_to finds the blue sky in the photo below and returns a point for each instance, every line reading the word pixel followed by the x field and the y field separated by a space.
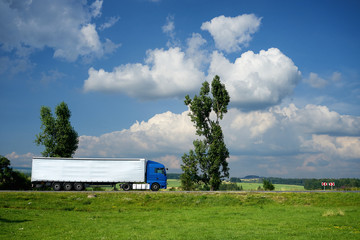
pixel 124 67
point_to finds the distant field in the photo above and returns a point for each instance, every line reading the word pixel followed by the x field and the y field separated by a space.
pixel 175 183
pixel 174 215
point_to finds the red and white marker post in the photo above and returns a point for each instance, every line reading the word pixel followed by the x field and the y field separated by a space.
pixel 324 184
pixel 332 184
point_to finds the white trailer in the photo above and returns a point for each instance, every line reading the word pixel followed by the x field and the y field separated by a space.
pixel 74 173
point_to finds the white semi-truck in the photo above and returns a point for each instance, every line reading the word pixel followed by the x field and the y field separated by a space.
pixel 75 173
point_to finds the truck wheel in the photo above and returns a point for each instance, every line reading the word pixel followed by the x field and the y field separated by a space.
pixel 67 186
pixel 78 186
pixel 126 186
pixel 56 186
pixel 155 187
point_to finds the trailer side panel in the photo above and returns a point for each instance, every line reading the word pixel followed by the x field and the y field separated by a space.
pixel 88 170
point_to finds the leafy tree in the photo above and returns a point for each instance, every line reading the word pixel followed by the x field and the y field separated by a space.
pixel 58 136
pixel 5 170
pixel 267 185
pixel 12 180
pixel 209 154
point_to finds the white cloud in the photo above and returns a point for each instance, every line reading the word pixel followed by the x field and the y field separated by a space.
pixel 232 33
pixel 169 26
pixel 61 25
pixel 169 30
pixel 96 8
pixel 274 141
pixel 195 52
pixel 320 120
pixel 336 147
pixel 256 80
pixel 316 81
pixel 165 133
pixel 166 73
pixel 109 23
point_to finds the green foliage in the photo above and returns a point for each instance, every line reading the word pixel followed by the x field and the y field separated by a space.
pixel 291 181
pixel 235 179
pixel 342 183
pixel 207 162
pixel 267 185
pixel 230 187
pixel 5 170
pixel 58 136
pixel 10 179
pixel 189 177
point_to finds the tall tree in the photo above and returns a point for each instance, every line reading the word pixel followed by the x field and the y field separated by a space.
pixel 58 136
pixel 210 153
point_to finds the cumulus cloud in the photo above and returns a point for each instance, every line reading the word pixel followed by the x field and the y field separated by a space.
pixel 166 73
pixel 232 33
pixel 256 81
pixel 273 140
pixel 340 147
pixel 315 81
pixel 61 25
pixel 320 120
pixel 165 133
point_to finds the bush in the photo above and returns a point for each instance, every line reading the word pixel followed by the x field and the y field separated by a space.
pixel 16 181
pixel 230 187
pixel 10 179
pixel 267 185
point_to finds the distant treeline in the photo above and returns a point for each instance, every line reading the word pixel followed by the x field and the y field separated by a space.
pixel 173 175
pixel 342 183
pixel 309 184
pixel 273 180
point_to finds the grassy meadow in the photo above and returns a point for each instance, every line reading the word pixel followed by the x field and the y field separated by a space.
pixel 174 215
pixel 175 183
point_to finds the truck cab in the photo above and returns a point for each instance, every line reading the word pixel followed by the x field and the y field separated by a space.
pixel 156 175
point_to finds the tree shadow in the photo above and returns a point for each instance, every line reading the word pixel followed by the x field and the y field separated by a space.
pixel 13 221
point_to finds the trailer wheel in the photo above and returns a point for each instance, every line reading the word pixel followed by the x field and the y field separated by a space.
pixel 126 186
pixel 155 187
pixel 78 186
pixel 56 186
pixel 67 186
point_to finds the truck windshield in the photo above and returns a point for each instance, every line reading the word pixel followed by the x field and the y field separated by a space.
pixel 160 170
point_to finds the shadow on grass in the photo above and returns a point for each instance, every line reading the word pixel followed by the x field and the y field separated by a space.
pixel 12 221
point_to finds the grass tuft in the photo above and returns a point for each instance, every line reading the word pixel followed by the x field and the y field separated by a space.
pixel 331 213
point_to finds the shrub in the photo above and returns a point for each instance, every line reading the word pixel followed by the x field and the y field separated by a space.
pixel 267 185
pixel 230 187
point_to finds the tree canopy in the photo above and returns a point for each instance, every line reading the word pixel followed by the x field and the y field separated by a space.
pixel 207 162
pixel 57 135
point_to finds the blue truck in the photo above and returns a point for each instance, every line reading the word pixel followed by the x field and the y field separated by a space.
pixel 76 173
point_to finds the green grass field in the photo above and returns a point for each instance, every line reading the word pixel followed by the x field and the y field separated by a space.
pixel 175 183
pixel 174 215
